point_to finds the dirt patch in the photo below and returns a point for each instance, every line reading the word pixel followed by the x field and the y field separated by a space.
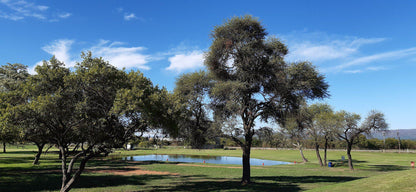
pixel 131 171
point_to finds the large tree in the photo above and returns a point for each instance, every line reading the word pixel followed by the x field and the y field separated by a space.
pixel 253 82
pixel 12 77
pixel 350 130
pixel 192 90
pixel 78 109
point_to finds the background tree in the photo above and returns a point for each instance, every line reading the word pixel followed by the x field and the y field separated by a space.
pixel 143 107
pixel 266 136
pixel 295 128
pixel 350 131
pixel 327 122
pixel 316 128
pixel 12 77
pixel 192 90
pixel 253 81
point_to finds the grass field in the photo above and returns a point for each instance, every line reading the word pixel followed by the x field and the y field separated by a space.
pixel 374 172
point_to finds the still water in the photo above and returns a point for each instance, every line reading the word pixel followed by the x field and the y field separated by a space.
pixel 201 159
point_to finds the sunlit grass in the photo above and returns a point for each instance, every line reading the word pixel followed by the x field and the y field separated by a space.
pixel 390 170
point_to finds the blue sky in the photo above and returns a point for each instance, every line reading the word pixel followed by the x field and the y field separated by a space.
pixel 366 49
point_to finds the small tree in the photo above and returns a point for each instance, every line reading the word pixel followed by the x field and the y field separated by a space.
pixel 294 127
pixel 192 90
pixel 350 131
pixel 12 77
pixel 253 82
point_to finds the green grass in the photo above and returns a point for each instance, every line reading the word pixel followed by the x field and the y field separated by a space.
pixel 374 172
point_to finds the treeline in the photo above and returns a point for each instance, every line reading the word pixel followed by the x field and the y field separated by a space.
pixel 364 143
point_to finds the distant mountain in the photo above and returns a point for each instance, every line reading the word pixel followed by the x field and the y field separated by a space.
pixel 403 133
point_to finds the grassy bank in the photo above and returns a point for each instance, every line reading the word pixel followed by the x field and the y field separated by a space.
pixel 112 174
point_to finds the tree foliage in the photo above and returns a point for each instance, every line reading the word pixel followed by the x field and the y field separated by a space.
pixel 192 90
pixel 252 79
pixel 12 77
pixel 88 111
pixel 350 130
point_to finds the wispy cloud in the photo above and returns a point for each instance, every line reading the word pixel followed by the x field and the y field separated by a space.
pixel 334 53
pixel 64 15
pixel 318 46
pixel 19 10
pixel 60 48
pixel 182 62
pixel 377 57
pixel 378 68
pixel 121 56
pixel 129 16
pixel 116 53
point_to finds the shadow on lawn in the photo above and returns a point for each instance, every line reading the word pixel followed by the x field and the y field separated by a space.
pixel 278 183
pixel 388 167
pixel 52 181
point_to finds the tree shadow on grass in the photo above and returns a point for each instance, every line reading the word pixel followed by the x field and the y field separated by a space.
pixel 52 181
pixel 14 160
pixel 220 184
pixel 388 167
pixel 28 152
pixel 307 179
pixel 278 183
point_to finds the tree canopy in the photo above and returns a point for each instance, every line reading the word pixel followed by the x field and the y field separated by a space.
pixel 253 81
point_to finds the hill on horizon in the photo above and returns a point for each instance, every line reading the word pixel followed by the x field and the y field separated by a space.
pixel 402 133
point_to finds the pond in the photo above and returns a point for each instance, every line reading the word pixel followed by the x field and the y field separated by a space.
pixel 201 159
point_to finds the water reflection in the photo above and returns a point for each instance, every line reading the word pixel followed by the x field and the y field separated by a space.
pixel 202 159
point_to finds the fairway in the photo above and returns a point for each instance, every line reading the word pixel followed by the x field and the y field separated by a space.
pixel 375 171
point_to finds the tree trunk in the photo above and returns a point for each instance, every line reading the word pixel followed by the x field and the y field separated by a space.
pixel 4 147
pixel 349 146
pixel 37 157
pixel 303 156
pixel 325 150
pixel 299 146
pixel 67 185
pixel 318 155
pixel 246 165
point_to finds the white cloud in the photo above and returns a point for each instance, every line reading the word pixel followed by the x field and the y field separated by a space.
pixel 121 57
pixel 19 10
pixel 64 15
pixel 317 47
pixel 181 62
pixel 376 57
pixel 377 68
pixel 129 16
pixel 60 48
pixel 118 55
pixel 308 51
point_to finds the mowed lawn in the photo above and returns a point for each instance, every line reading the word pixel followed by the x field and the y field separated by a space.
pixel 375 171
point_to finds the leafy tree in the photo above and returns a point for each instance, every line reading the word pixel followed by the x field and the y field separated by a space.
pixel 350 131
pixel 253 81
pixel 144 107
pixel 77 108
pixel 12 76
pixel 294 127
pixel 328 123
pixel 316 112
pixel 266 136
pixel 192 91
